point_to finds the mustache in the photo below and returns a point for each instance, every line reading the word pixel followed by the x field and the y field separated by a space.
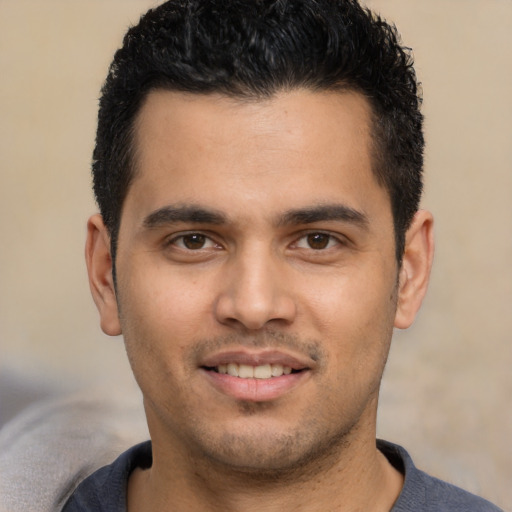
pixel 276 340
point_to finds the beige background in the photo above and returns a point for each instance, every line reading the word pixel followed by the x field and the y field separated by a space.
pixel 447 393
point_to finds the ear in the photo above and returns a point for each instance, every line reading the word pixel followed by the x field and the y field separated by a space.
pixel 415 270
pixel 99 268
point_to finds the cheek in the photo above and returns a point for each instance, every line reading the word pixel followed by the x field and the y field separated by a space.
pixel 353 299
pixel 165 303
pixel 159 318
pixel 354 313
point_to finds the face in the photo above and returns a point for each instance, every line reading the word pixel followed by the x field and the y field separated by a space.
pixel 257 283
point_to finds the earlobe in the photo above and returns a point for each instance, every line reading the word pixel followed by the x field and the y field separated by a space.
pixel 99 268
pixel 415 270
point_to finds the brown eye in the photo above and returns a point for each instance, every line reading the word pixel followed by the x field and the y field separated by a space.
pixel 318 241
pixel 194 241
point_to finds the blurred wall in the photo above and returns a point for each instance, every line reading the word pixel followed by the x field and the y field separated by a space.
pixel 447 393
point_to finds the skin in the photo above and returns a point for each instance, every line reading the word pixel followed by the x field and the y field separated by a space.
pixel 255 231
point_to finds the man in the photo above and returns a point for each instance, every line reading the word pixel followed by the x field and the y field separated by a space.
pixel 258 172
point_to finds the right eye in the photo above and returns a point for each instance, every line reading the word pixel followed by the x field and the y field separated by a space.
pixel 193 242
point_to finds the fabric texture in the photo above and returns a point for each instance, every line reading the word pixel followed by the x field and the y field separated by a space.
pixel 105 490
pixel 48 449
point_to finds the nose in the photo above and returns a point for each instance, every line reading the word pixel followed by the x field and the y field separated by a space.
pixel 254 293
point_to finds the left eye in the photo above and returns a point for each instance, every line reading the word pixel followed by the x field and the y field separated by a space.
pixel 193 242
pixel 317 241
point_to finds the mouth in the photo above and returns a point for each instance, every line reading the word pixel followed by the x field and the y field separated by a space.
pixel 255 377
pixel 246 371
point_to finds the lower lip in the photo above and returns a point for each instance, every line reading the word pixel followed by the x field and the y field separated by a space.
pixel 255 390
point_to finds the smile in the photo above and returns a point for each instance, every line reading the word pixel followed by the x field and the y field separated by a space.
pixel 245 371
pixel 256 376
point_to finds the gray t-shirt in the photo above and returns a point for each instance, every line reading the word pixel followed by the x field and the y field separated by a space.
pixel 105 490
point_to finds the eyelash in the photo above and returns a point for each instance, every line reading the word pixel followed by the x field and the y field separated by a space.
pixel 331 241
pixel 176 239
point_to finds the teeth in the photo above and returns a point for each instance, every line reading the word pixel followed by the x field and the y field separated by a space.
pixel 232 370
pixel 245 371
pixel 263 372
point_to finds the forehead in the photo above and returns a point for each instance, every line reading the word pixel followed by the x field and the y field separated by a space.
pixel 302 119
pixel 295 147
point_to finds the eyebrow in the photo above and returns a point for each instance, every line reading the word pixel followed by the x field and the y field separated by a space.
pixel 326 212
pixel 198 215
pixel 190 214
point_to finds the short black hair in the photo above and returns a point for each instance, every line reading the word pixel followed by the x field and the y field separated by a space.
pixel 253 49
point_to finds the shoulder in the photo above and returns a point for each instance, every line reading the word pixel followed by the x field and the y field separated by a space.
pixel 105 489
pixel 51 446
pixel 424 493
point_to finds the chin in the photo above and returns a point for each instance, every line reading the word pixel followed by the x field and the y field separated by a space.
pixel 265 454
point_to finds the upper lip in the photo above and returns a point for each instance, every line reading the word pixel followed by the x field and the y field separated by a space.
pixel 257 358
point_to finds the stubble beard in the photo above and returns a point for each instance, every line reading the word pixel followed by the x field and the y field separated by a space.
pixel 262 455
pixel 276 459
